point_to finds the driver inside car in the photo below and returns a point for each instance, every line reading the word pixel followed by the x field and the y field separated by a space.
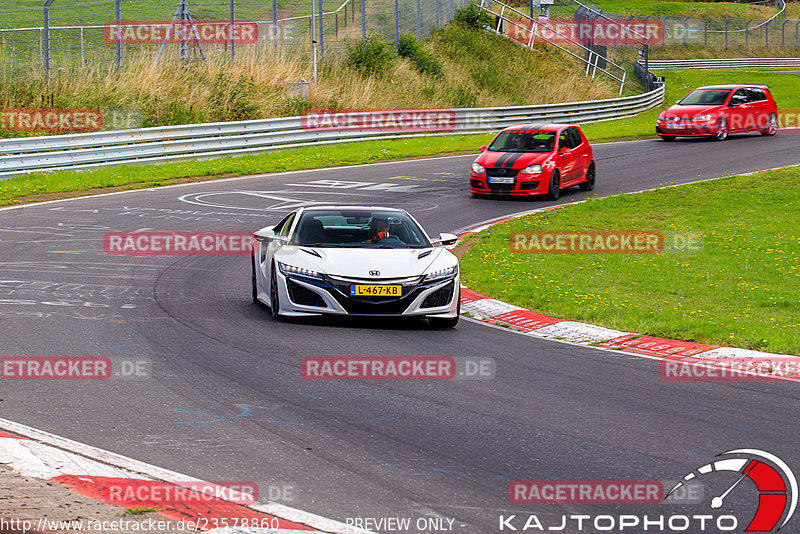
pixel 379 230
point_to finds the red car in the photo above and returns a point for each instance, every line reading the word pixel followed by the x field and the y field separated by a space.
pixel 718 110
pixel 534 159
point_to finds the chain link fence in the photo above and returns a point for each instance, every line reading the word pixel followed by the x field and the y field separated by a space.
pixel 58 35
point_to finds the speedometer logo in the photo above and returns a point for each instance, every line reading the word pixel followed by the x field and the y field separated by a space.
pixel 775 483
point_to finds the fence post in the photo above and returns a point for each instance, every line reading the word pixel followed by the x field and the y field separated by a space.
pixel 747 33
pixel 46 39
pixel 396 23
pixel 275 27
pixel 664 42
pixel 705 33
pixel 419 20
pixel 452 9
pixel 766 35
pixel 685 30
pixel 783 34
pixel 364 19
pixel 233 23
pixel 118 50
pixel 726 34
pixel 437 13
pixel 83 60
pixel 321 26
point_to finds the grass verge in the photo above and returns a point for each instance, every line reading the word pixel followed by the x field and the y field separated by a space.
pixel 740 290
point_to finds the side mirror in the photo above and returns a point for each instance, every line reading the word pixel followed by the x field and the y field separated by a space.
pixel 445 240
pixel 563 151
pixel 482 149
pixel 265 234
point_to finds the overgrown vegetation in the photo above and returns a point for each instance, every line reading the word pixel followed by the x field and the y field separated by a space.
pixel 426 62
pixel 456 67
pixel 373 56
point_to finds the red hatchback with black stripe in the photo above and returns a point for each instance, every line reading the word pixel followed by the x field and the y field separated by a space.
pixel 534 159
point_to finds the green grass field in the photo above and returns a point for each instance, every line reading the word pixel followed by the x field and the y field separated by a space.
pixel 740 290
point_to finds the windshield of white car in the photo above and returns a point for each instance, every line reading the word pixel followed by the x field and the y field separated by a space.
pixel 705 97
pixel 524 141
pixel 358 229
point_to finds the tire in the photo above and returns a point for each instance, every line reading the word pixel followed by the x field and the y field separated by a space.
pixel 667 138
pixel 437 322
pixel 588 185
pixel 253 281
pixel 554 189
pixel 274 297
pixel 721 131
pixel 771 128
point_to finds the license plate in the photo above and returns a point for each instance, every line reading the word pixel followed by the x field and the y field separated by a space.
pixel 501 179
pixel 673 126
pixel 362 290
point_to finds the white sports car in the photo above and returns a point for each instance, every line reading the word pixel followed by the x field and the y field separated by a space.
pixel 353 260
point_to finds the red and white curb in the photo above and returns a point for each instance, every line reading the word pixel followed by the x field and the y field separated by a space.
pixel 93 472
pixel 531 323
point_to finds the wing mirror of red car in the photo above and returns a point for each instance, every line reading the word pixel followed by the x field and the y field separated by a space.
pixel 482 149
pixel 564 151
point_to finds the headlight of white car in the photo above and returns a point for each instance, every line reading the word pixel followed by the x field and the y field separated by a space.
pixel 297 271
pixel 532 169
pixel 477 168
pixel 442 273
pixel 702 118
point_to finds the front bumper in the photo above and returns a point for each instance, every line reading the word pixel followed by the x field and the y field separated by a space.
pixel 301 296
pixel 524 184
pixel 686 129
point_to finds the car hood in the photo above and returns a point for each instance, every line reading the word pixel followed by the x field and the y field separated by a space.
pixel 690 111
pixel 358 262
pixel 512 160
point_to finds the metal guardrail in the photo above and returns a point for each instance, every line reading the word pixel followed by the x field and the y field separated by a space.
pixel 731 63
pixel 202 141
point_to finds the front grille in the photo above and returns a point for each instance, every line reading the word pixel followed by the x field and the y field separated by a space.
pixel 380 307
pixel 502 172
pixel 303 296
pixel 440 297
